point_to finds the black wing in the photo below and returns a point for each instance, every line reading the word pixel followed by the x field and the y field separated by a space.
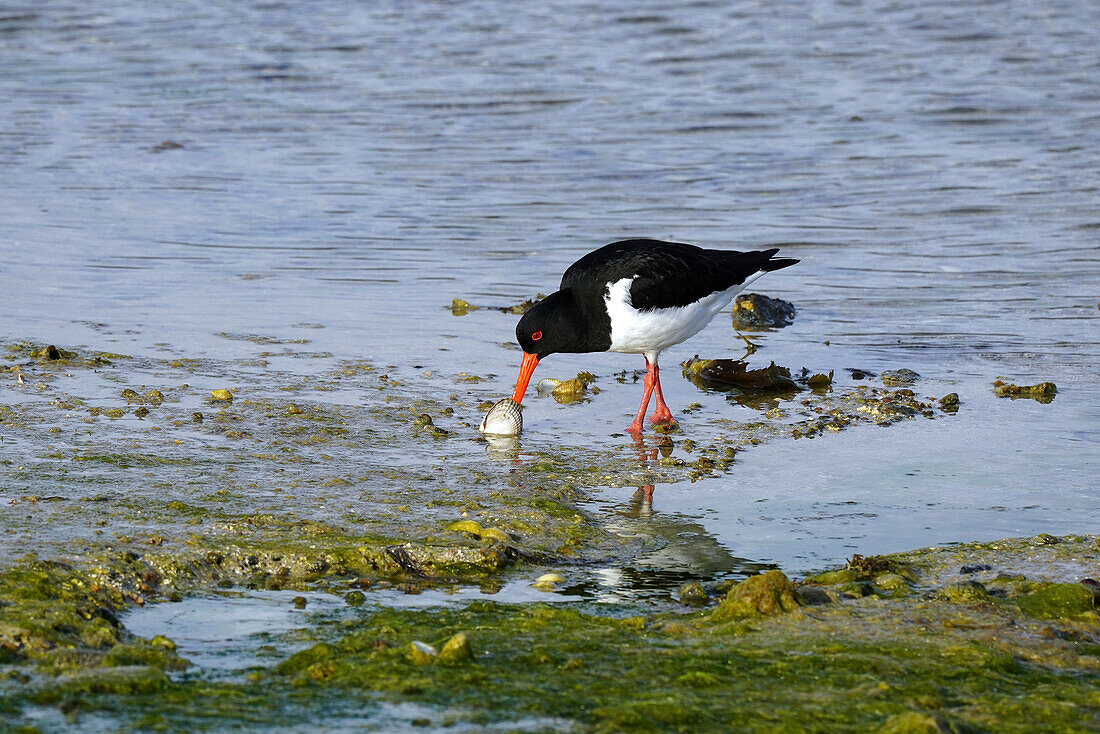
pixel 667 274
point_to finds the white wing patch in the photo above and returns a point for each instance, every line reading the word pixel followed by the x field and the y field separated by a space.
pixel 642 332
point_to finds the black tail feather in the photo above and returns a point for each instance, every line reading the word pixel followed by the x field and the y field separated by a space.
pixel 769 264
pixel 778 263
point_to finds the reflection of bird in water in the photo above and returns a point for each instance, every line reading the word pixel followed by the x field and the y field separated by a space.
pixel 677 549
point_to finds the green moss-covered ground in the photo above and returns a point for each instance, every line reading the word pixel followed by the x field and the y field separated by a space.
pixel 1011 654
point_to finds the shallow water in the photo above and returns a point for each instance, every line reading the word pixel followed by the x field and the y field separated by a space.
pixel 345 172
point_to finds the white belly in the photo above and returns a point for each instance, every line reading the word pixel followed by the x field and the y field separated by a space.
pixel 642 332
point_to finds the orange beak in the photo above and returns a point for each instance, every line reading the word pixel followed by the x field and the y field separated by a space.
pixel 526 369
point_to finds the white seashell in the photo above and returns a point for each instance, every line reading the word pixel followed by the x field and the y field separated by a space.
pixel 503 419
pixel 547 386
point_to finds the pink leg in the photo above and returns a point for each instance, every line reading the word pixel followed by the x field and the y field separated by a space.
pixel 649 381
pixel 661 414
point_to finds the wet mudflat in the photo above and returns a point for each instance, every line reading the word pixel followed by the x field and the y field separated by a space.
pixel 249 471
pixel 177 540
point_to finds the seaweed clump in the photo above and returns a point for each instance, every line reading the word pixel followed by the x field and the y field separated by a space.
pixel 1043 392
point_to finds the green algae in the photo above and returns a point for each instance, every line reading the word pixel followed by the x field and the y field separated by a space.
pixel 864 664
pixel 610 673
pixel 1055 601
pixel 1043 392
pixel 187 510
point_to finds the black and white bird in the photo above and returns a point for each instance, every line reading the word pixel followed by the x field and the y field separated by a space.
pixel 637 296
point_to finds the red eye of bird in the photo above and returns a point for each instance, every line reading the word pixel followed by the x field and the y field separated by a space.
pixel 536 336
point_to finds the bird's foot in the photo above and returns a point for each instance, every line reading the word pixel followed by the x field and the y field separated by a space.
pixel 662 415
pixel 635 428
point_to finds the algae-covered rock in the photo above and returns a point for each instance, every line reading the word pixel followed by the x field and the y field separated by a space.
pixel 1059 600
pixel 548 581
pixel 754 311
pixel 694 594
pixel 222 395
pixel 461 307
pixel 964 592
pixel 145 654
pixel 421 653
pixel 817 595
pixel 466 526
pixel 121 681
pixel 899 378
pixel 838 576
pixel 52 353
pixel 916 722
pixel 456 650
pixel 1043 392
pixel 949 403
pixel 495 534
pixel 758 596
pixel 894 583
pixel 707 373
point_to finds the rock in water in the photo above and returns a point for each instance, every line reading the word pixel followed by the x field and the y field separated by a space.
pixel 754 311
pixel 503 419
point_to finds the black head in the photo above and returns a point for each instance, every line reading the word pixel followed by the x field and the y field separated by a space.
pixel 554 324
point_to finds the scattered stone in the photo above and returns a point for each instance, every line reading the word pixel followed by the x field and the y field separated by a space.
pixel 421 653
pixel 460 307
pixel 693 594
pixel 222 395
pixel 495 534
pixel 548 581
pixel 141 411
pixel 975 568
pixel 817 595
pixel 949 403
pixel 299 602
pixel 865 567
pixel 355 598
pixel 466 526
pixel 456 650
pixel 893 582
pixel 754 311
pixel 899 378
pixel 964 592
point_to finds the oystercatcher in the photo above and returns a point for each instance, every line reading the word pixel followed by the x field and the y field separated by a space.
pixel 637 296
